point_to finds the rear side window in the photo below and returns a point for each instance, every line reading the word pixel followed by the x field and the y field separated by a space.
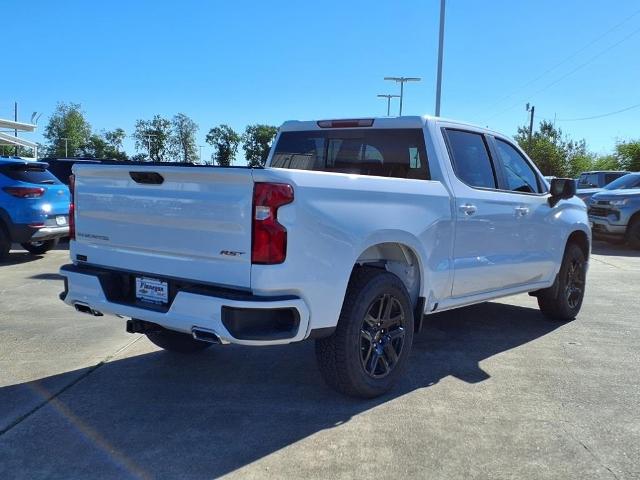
pixel 471 160
pixel 610 177
pixel 396 153
pixel 35 173
pixel 588 180
pixel 518 174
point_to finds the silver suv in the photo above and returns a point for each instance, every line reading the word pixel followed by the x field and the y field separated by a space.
pixel 614 213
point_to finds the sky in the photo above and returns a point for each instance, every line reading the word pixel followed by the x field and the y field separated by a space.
pixel 245 62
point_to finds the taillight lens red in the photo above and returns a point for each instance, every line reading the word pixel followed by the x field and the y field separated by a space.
pixel 24 192
pixel 72 216
pixel 269 241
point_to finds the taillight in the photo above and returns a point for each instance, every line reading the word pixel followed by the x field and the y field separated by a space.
pixel 269 241
pixel 72 216
pixel 24 192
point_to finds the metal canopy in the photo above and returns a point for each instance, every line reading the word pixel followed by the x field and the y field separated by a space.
pixel 23 127
pixel 13 141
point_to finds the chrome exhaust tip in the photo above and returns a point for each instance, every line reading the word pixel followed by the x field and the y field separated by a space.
pixel 85 308
pixel 205 335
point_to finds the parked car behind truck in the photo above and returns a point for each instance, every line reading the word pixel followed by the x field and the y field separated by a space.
pixel 353 231
pixel 34 206
pixel 615 211
pixel 590 183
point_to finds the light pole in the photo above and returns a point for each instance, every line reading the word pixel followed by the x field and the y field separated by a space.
pixel 388 97
pixel 66 150
pixel 440 54
pixel 149 144
pixel 401 81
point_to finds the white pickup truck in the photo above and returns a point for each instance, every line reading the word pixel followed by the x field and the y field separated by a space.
pixel 353 231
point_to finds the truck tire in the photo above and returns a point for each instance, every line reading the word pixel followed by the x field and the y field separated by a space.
pixel 40 248
pixel 633 234
pixel 176 341
pixel 369 350
pixel 562 301
pixel 5 243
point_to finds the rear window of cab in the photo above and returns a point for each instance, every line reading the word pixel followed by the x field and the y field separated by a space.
pixel 398 153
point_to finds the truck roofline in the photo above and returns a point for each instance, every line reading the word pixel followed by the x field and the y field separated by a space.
pixel 405 121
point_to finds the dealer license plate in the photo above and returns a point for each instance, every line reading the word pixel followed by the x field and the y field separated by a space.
pixel 152 290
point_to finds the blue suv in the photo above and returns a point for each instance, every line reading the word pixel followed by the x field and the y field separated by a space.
pixel 34 206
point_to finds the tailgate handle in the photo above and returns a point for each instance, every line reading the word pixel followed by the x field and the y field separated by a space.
pixel 149 178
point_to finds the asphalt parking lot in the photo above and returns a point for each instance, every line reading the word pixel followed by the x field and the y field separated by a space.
pixel 494 391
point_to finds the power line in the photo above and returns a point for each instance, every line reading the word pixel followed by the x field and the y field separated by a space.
pixel 599 116
pixel 571 72
pixel 567 58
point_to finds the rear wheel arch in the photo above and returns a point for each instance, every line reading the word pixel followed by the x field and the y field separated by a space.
pixel 404 262
pixel 397 258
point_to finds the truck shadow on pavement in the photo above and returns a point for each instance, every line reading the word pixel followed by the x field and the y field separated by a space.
pixel 613 249
pixel 163 415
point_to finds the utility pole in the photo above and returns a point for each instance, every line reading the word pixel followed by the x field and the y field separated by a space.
pixel 531 109
pixel 401 81
pixel 66 151
pixel 440 54
pixel 388 97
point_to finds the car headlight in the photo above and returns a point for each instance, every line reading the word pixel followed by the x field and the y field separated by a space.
pixel 618 203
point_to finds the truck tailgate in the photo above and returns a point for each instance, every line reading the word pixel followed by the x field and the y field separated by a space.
pixel 195 224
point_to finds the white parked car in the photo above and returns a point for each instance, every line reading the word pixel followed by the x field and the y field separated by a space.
pixel 353 231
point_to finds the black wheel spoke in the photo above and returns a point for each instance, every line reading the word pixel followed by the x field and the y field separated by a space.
pixel 390 354
pixel 382 336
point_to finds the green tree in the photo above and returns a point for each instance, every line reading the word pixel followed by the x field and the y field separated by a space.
pixel 115 138
pixel 183 138
pixel 256 143
pixel 225 143
pixel 628 154
pixel 67 125
pixel 153 136
pixel 99 146
pixel 606 162
pixel 553 152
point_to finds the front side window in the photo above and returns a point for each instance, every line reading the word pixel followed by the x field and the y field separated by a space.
pixel 519 176
pixel 397 153
pixel 471 160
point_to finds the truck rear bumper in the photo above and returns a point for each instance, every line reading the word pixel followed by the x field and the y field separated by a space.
pixel 234 317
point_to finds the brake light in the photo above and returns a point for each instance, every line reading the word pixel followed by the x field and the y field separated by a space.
pixel 72 217
pixel 24 192
pixel 347 123
pixel 269 240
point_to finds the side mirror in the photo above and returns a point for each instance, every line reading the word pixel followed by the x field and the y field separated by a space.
pixel 561 189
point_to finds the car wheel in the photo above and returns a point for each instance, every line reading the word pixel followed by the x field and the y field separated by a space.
pixel 5 243
pixel 633 235
pixel 563 300
pixel 40 248
pixel 176 341
pixel 368 352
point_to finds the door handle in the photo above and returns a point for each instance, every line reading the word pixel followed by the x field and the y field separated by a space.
pixel 522 211
pixel 468 209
